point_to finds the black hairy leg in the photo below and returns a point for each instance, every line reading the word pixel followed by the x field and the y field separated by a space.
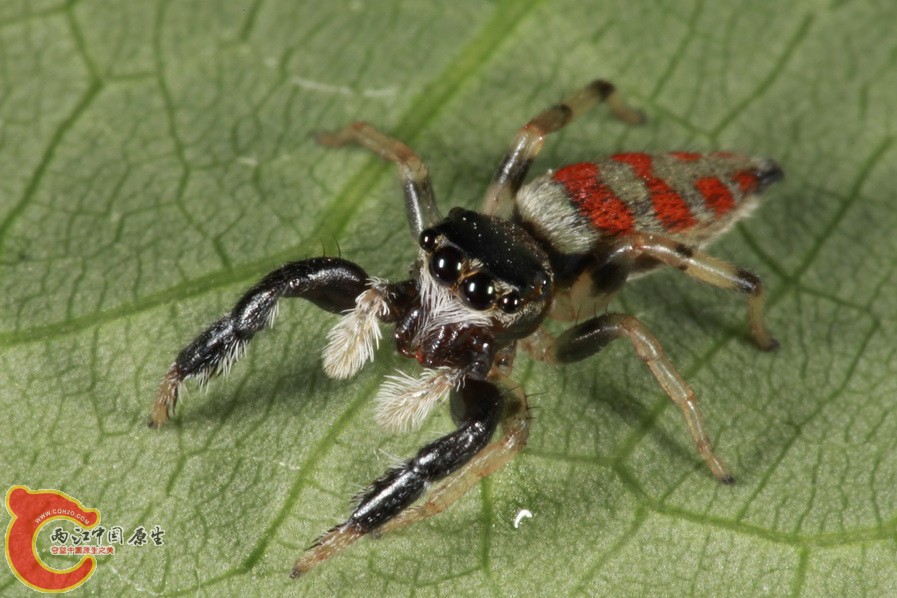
pixel 515 423
pixel 330 283
pixel 477 409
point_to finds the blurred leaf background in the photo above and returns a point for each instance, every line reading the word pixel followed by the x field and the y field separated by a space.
pixel 155 160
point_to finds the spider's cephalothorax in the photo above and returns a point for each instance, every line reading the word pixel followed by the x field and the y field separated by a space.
pixel 487 270
pixel 558 247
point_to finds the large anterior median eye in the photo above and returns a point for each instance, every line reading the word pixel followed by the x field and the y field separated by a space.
pixel 446 263
pixel 478 290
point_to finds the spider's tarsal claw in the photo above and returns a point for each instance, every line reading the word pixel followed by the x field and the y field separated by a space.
pixel 626 114
pixel 163 407
pixel 327 546
pixel 728 480
pixel 771 344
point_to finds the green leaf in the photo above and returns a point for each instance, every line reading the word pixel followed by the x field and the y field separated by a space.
pixel 156 160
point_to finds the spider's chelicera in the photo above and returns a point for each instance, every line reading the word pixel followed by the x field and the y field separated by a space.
pixel 483 283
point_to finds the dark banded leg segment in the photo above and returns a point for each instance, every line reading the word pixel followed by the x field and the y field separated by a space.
pixel 330 283
pixel 591 336
pixel 515 433
pixel 705 268
pixel 480 406
pixel 528 142
pixel 420 203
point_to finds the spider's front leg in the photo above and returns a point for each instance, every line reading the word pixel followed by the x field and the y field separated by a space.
pixel 515 424
pixel 330 283
pixel 420 203
pixel 586 339
pixel 462 458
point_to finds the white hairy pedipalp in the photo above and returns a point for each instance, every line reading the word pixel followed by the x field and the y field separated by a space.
pixel 351 342
pixel 404 402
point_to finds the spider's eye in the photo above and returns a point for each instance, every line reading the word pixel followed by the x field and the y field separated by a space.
pixel 428 239
pixel 541 285
pixel 478 291
pixel 446 264
pixel 510 303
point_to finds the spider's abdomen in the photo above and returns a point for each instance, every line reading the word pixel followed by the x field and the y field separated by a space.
pixel 688 196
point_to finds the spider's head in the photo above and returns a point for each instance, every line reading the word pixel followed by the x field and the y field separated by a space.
pixel 489 266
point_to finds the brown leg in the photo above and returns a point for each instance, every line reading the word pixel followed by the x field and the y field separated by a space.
pixel 588 338
pixel 528 142
pixel 706 268
pixel 420 203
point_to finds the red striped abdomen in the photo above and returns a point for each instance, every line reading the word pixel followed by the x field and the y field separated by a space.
pixel 691 197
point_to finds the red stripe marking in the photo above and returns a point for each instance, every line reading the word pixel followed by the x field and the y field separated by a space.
pixel 716 195
pixel 747 181
pixel 594 199
pixel 669 207
pixel 687 156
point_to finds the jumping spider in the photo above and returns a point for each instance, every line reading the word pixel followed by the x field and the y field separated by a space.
pixel 558 247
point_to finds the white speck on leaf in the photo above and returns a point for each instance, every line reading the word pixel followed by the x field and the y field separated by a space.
pixel 523 513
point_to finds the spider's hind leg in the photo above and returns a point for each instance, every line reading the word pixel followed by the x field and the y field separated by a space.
pixel 705 268
pixel 588 338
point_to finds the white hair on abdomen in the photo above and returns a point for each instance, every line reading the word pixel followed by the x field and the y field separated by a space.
pixel 544 204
